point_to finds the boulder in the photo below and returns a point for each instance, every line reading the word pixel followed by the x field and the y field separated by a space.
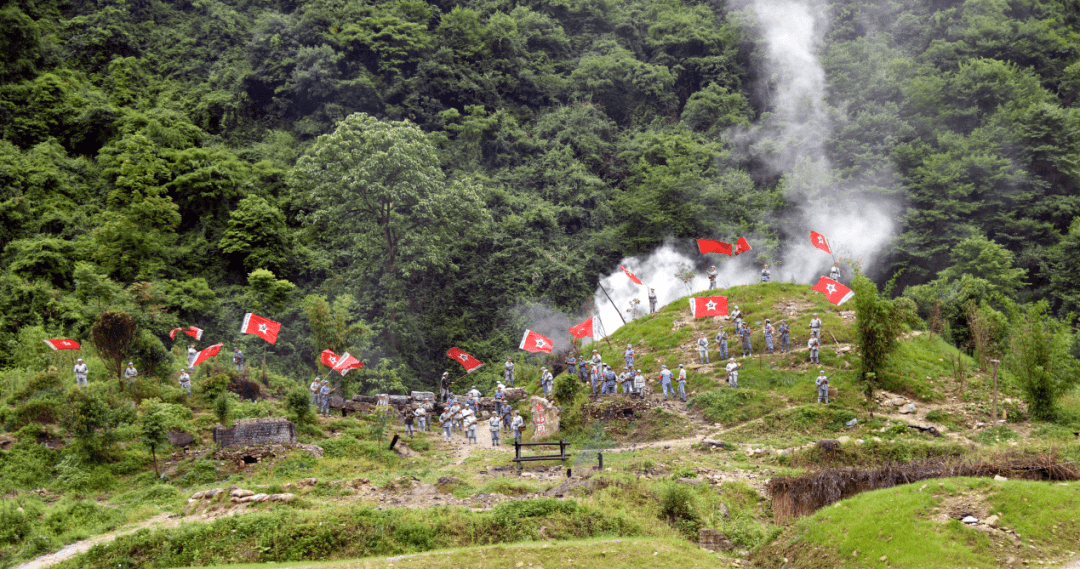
pixel 545 417
pixel 241 493
pixel 515 393
pixel 180 439
pixel 714 540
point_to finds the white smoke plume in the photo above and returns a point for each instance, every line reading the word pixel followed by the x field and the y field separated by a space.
pixel 542 318
pixel 790 139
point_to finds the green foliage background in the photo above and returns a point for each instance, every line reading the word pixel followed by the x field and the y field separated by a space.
pixel 149 160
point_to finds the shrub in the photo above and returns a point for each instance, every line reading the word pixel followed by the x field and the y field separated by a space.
pixel 41 411
pixel 508 512
pixel 221 409
pixel 678 506
pixel 81 514
pixel 14 524
pixel 566 388
pixel 298 404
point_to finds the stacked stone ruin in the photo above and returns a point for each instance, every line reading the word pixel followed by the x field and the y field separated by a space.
pixel 260 431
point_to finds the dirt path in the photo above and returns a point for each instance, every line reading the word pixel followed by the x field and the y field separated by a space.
pixel 71 550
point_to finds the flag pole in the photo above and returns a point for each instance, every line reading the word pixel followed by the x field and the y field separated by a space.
pixel 611 301
pixel 606 338
pixel 264 366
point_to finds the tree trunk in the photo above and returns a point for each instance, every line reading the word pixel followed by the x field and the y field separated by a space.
pixel 154 455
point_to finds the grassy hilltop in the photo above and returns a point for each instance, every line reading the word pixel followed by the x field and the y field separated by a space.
pixel 658 489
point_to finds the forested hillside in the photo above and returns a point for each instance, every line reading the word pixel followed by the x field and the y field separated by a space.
pixel 161 158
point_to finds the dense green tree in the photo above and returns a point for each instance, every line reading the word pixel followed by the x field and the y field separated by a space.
pixel 383 207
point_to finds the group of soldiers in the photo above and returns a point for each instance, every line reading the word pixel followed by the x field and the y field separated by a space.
pixel 320 395
pixel 464 415
pixel 745 334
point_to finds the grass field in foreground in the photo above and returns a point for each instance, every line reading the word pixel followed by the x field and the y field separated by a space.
pixel 585 554
pixel 915 525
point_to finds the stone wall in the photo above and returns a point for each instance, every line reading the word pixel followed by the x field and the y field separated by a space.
pixel 261 431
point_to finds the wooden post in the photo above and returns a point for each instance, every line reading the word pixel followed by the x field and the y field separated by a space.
pixel 611 301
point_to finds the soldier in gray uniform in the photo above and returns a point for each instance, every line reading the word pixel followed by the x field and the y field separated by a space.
pixel 444 386
pixel 721 343
pixel 733 373
pixel 765 274
pixel 314 388
pixel 80 372
pixel 703 348
pixel 238 359
pixel 813 345
pixel 192 353
pixel 712 277
pixel 682 383
pixel 626 378
pixel 185 381
pixel 736 317
pixel 324 397
pixel 652 300
pixel 822 383
pixel 815 326
pixel 507 414
pixel 785 336
pixel 130 373
pixel 665 381
pixel 747 349
pixel 517 426
pixel 834 272
pixel 547 381
pixel 769 336
pixel 508 372
pixel 493 425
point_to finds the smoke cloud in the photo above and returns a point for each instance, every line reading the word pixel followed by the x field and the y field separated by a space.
pixel 858 219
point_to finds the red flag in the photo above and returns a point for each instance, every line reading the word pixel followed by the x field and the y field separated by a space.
pixel 347 362
pixel 702 306
pixel 194 332
pixel 741 246
pixel 262 327
pixel 632 276
pixel 206 354
pixel 534 342
pixel 583 329
pixel 172 333
pixel 329 359
pixel 61 344
pixel 818 240
pixel 470 363
pixel 836 293
pixel 714 246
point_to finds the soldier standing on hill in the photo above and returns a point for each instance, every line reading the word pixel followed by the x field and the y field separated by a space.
pixel 547 381
pixel 712 277
pixel 703 348
pixel 609 380
pixel 80 372
pixel 682 383
pixel 314 389
pixel 409 418
pixel 185 381
pixel 507 415
pixel 822 382
pixel 813 345
pixel 192 353
pixel 652 300
pixel 733 373
pixel 444 386
pixel 765 274
pixel 627 379
pixel 130 373
pixel 815 326
pixel 834 272
pixel 324 397
pixel 571 364
pixel 628 356
pixel 421 417
pixel 769 332
pixel 518 426
pixel 508 373
pixel 445 420
pixel 736 317
pixel 493 425
pixel 721 343
pixel 747 349
pixel 238 359
pixel 639 383
pixel 785 336
pixel 665 380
